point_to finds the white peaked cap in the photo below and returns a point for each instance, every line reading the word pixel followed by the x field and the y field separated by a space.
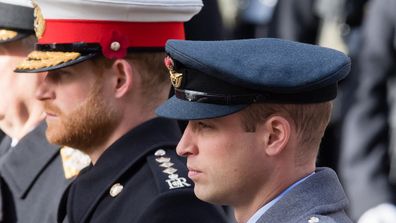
pixel 121 10
pixel 71 31
pixel 25 3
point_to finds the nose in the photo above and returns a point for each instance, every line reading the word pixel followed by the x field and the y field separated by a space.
pixel 187 146
pixel 44 91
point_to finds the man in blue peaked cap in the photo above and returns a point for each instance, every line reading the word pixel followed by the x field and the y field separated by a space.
pixel 257 111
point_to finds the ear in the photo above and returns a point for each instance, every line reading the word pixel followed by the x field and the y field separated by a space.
pixel 275 133
pixel 123 77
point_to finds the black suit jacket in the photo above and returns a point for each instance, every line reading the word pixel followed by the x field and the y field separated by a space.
pixel 154 182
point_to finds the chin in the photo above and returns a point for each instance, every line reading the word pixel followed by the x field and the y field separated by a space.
pixel 207 195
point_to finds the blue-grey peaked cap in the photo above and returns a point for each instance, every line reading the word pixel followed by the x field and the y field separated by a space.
pixel 267 70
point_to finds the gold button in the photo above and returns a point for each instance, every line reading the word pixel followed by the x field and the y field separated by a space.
pixel 116 189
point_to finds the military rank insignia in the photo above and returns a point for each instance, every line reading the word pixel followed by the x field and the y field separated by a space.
pixel 73 161
pixel 173 181
pixel 38 59
pixel 176 78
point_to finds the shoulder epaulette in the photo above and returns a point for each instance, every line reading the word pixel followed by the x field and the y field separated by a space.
pixel 169 171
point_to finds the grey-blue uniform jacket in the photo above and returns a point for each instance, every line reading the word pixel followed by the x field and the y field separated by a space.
pixel 318 199
pixel 139 179
pixel 32 179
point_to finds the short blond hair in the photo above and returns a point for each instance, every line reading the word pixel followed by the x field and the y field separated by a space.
pixel 310 120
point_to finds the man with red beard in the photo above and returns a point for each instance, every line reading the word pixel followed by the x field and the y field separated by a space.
pixel 33 175
pixel 105 78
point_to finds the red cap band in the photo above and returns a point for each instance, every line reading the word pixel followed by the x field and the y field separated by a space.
pixel 127 34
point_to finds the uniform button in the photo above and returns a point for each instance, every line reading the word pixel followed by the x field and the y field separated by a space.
pixel 160 152
pixel 313 220
pixel 116 189
pixel 115 46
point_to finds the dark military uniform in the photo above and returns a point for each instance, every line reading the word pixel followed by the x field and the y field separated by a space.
pixel 1 135
pixel 139 179
pixel 32 179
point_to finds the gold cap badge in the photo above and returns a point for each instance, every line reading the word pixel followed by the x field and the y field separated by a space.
pixel 176 78
pixel 39 21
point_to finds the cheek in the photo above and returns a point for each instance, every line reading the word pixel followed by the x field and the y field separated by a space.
pixel 241 155
pixel 224 156
pixel 69 99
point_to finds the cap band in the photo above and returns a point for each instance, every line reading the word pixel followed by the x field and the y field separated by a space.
pixel 127 34
pixel 327 93
pixel 82 48
pixel 140 34
pixel 203 97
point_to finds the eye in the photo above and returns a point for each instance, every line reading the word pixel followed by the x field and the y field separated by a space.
pixel 58 76
pixel 204 125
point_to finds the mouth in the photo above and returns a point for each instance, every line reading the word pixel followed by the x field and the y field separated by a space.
pixel 51 111
pixel 193 174
pixel 50 115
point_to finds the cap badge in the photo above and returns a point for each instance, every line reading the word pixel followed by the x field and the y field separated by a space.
pixel 39 21
pixel 176 78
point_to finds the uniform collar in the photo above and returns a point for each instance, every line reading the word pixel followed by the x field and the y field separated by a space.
pixel 267 206
pixel 116 160
pixel 318 194
pixel 5 146
pixel 27 159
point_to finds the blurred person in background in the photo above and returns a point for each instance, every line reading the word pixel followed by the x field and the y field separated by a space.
pixel 33 175
pixel 366 164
